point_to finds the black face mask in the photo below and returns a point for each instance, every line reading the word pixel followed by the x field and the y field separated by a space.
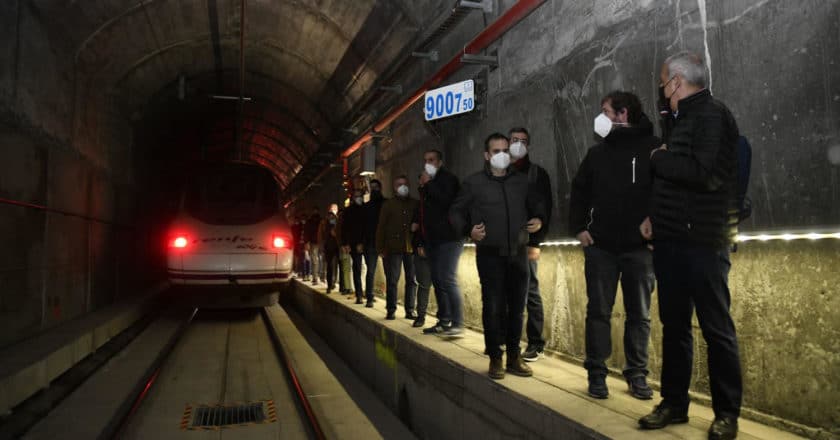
pixel 666 117
pixel 375 194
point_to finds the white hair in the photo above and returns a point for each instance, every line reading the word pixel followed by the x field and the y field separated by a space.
pixel 688 65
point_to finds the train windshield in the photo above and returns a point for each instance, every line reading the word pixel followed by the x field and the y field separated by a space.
pixel 232 196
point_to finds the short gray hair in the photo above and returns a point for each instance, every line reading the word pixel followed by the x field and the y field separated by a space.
pixel 688 65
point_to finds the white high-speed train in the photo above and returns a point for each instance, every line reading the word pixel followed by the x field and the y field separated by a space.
pixel 230 230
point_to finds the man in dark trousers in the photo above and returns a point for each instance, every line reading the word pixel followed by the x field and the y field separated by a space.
pixel 394 244
pixel 441 243
pixel 693 220
pixel 328 237
pixel 498 208
pixel 520 143
pixel 609 199
pixel 310 231
pixel 371 221
pixel 353 238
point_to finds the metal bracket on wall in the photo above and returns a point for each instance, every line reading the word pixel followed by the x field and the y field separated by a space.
pixel 485 5
pixel 431 56
pixel 487 60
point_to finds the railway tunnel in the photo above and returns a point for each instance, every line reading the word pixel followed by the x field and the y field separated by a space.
pixel 116 114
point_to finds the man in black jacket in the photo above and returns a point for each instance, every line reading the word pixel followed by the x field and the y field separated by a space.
pixel 441 243
pixel 609 199
pixel 693 219
pixel 371 222
pixel 353 238
pixel 498 208
pixel 520 142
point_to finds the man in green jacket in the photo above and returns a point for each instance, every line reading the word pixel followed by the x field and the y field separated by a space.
pixel 393 243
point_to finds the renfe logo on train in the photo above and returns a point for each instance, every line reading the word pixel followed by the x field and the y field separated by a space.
pixel 450 100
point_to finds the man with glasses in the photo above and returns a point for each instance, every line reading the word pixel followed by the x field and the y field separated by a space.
pixel 499 209
pixel 520 143
pixel 693 220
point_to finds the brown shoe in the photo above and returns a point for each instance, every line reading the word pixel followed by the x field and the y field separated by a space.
pixel 496 370
pixel 518 367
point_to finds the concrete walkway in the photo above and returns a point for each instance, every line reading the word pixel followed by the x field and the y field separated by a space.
pixel 557 385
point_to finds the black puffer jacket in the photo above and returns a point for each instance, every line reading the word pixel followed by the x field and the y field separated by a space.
pixel 610 193
pixel 436 196
pixel 504 204
pixel 694 180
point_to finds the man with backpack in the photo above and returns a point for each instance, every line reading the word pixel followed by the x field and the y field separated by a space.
pixel 693 220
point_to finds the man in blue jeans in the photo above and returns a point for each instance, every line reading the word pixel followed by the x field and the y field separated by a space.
pixel 441 243
pixel 609 199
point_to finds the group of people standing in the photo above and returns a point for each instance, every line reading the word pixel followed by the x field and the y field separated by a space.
pixel 645 210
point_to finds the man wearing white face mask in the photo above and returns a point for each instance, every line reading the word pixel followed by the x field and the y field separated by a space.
pixel 537 176
pixel 394 244
pixel 498 209
pixel 441 243
pixel 609 198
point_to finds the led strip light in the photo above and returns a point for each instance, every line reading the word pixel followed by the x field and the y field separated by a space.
pixel 740 238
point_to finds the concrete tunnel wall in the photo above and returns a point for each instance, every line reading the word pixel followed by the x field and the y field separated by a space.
pixel 774 64
pixel 71 156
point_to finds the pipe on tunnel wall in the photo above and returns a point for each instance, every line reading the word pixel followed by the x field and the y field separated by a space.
pixel 490 34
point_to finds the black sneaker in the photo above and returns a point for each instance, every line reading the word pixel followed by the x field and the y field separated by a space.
pixel 411 315
pixel 419 322
pixel 390 316
pixel 453 332
pixel 359 301
pixel 532 353
pixel 664 415
pixel 723 428
pixel 369 303
pixel 438 328
pixel 639 388
pixel 598 386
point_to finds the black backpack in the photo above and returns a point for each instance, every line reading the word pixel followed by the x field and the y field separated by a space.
pixel 743 151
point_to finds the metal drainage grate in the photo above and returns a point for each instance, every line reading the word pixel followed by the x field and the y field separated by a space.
pixel 228 415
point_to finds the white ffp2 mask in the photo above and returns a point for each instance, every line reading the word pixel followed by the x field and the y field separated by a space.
pixel 518 150
pixel 603 125
pixel 500 160
pixel 402 190
pixel 431 170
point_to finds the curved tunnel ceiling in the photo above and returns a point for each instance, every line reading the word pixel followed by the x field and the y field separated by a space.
pixel 307 63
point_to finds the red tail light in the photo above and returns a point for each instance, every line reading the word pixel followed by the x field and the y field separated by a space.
pixel 280 242
pixel 180 242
